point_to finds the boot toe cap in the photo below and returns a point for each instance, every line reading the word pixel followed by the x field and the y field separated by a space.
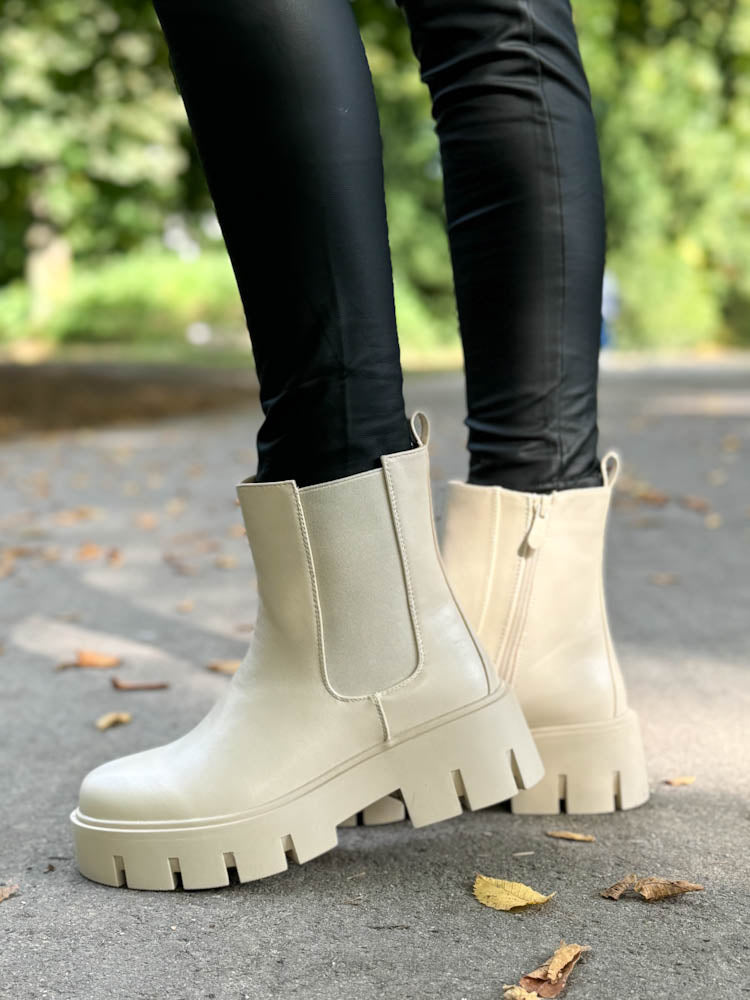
pixel 136 788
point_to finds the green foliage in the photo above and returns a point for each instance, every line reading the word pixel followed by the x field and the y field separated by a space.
pixel 149 295
pixel 670 87
pixel 95 147
pixel 92 127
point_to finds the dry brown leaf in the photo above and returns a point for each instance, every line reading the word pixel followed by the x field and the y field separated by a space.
pixel 518 993
pixel 698 504
pixel 237 531
pixel 6 891
pixel 587 838
pixel 503 895
pixel 680 780
pixel 114 558
pixel 75 515
pixel 663 579
pixel 224 666
pixel 713 521
pixel 146 521
pixel 175 506
pixel 550 979
pixel 178 564
pixel 7 563
pixel 110 719
pixel 89 551
pixel 654 887
pixel 225 562
pixel 91 660
pixel 138 685
pixel 616 890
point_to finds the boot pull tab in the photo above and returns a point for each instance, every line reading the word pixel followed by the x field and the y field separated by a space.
pixel 419 419
pixel 610 466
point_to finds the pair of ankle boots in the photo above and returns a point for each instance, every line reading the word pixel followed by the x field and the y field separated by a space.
pixel 385 678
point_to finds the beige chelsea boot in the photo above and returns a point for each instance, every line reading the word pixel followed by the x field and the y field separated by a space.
pixel 362 680
pixel 527 571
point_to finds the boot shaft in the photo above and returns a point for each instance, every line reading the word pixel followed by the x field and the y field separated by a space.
pixel 528 570
pixel 351 584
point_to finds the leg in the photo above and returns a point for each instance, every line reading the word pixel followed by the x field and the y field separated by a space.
pixel 280 101
pixel 525 215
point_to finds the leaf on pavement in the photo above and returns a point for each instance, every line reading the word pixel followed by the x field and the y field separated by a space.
pixel 654 887
pixel 664 579
pixel 616 890
pixel 6 891
pixel 224 666
pixel 89 551
pixel 225 562
pixel 110 719
pixel 90 659
pixel 503 895
pixel 146 520
pixel 680 780
pixel 138 685
pixel 651 888
pixel 587 838
pixel 114 558
pixel 518 993
pixel 550 979
pixel 699 504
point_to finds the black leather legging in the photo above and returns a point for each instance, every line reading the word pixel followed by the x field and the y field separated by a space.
pixel 280 101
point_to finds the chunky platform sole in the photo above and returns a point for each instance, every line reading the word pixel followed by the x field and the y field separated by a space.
pixel 475 757
pixel 593 768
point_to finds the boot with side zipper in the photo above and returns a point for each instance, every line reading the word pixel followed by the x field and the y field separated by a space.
pixel 527 570
pixel 362 679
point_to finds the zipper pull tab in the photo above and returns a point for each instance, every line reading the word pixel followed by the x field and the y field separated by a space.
pixel 539 521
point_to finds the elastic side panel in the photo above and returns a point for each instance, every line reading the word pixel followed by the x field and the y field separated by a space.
pixel 368 635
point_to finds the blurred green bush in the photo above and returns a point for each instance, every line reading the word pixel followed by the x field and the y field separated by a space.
pixel 96 159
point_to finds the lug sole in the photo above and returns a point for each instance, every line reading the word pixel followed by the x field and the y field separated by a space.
pixel 470 759
pixel 594 768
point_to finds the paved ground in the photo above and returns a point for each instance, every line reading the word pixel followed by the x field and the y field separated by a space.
pixel 390 913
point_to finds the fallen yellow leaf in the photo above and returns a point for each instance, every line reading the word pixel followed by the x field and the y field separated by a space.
pixel 225 562
pixel 110 719
pixel 89 551
pixel 518 993
pixel 503 895
pixel 550 979
pixel 89 659
pixel 683 779
pixel 225 666
pixel 587 838
pixel 6 891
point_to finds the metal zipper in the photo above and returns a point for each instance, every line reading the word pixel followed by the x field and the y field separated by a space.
pixel 535 535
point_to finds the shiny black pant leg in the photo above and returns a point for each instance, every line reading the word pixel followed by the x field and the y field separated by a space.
pixel 525 215
pixel 280 101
